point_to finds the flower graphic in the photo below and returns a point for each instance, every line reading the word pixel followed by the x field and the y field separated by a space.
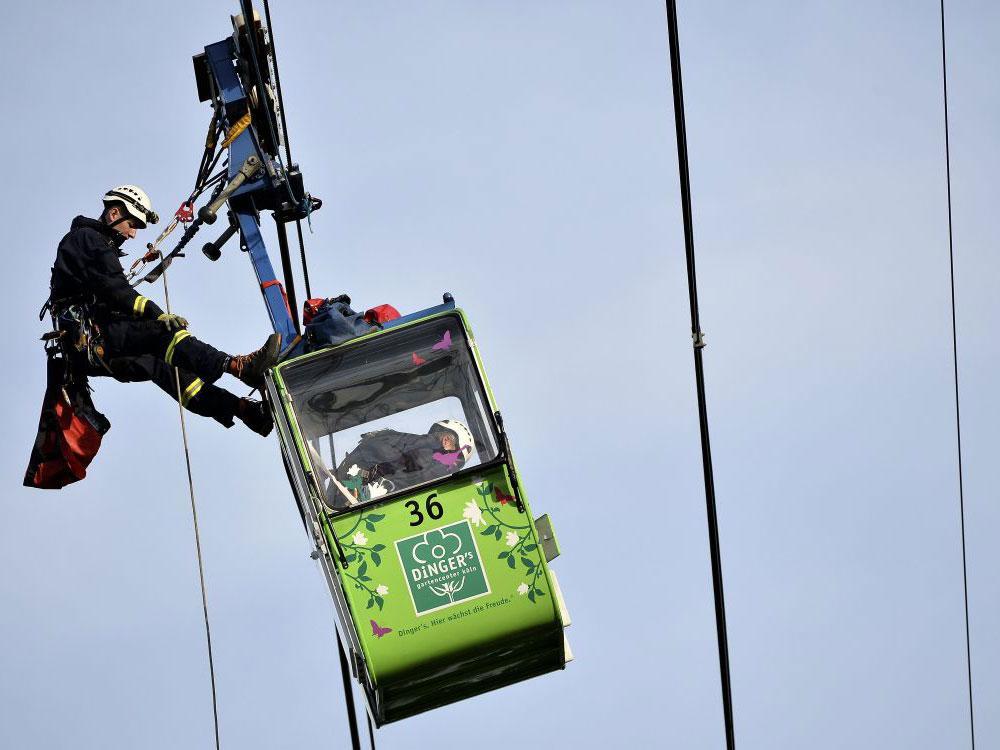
pixel 473 513
pixel 360 539
pixel 523 589
pixel 435 545
pixel 381 589
pixel 512 538
pixel 377 489
pixel 354 470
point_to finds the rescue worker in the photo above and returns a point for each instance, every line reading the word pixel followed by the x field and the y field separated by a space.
pixel 386 460
pixel 112 330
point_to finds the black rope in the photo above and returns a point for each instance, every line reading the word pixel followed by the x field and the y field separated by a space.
pixel 302 254
pixel 954 354
pixel 286 271
pixel 288 145
pixel 699 344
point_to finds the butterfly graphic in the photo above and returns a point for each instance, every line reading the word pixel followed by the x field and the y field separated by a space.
pixel 444 344
pixel 417 359
pixel 378 629
pixel 448 459
pixel 502 497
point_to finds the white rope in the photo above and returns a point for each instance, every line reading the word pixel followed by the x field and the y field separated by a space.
pixel 197 535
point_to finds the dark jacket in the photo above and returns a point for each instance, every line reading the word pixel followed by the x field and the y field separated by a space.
pixel 88 271
pixel 401 457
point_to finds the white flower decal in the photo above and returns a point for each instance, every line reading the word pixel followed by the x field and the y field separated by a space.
pixel 360 539
pixel 376 489
pixel 522 589
pixel 354 470
pixel 512 538
pixel 381 589
pixel 473 513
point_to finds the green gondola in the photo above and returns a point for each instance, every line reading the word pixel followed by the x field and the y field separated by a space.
pixel 438 571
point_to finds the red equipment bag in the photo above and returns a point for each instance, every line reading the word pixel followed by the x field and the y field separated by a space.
pixel 381 314
pixel 69 432
pixel 311 307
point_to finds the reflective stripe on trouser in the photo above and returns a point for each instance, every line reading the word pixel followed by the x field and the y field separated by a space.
pixel 191 391
pixel 197 396
pixel 168 357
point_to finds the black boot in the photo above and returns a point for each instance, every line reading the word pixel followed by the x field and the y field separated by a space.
pixel 250 368
pixel 255 415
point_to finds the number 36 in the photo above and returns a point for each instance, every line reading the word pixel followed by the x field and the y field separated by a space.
pixel 433 507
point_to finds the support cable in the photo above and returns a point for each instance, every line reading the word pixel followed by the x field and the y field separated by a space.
pixel 352 717
pixel 288 144
pixel 699 344
pixel 954 353
pixel 197 535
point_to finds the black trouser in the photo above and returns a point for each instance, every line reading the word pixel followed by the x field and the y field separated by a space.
pixel 133 338
pixel 145 350
pixel 197 395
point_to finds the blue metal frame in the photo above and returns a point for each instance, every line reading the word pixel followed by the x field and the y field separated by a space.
pixel 220 57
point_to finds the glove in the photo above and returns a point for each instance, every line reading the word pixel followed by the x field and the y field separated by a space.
pixel 173 322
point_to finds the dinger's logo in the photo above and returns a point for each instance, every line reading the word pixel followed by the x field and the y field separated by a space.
pixel 442 567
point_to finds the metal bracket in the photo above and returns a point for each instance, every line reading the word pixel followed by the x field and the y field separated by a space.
pixel 547 538
pixel 699 340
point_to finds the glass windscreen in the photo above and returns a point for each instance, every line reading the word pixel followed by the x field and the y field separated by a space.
pixel 391 413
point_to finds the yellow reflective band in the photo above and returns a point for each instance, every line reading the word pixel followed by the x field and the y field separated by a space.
pixel 139 306
pixel 178 337
pixel 191 391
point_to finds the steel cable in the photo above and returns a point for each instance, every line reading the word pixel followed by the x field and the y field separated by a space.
pixel 288 145
pixel 954 353
pixel 699 344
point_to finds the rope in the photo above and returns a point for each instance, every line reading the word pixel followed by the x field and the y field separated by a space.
pixel 954 354
pixel 197 535
pixel 699 345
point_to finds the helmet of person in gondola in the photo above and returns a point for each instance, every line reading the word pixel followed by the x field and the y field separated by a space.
pixel 455 436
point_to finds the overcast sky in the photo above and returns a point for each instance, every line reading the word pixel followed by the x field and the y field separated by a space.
pixel 521 156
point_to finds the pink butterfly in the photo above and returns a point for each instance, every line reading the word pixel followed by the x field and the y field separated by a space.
pixel 417 359
pixel 448 459
pixel 502 497
pixel 378 630
pixel 444 344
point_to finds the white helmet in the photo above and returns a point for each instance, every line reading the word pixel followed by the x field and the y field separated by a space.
pixel 466 444
pixel 136 202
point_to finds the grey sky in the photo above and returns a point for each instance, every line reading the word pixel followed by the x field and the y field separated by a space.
pixel 521 156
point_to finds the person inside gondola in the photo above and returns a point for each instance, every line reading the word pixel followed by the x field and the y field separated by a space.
pixel 386 460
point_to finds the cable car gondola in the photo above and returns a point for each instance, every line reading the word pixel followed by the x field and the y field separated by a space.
pixel 404 477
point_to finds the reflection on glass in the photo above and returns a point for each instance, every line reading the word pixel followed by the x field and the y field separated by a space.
pixel 400 410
